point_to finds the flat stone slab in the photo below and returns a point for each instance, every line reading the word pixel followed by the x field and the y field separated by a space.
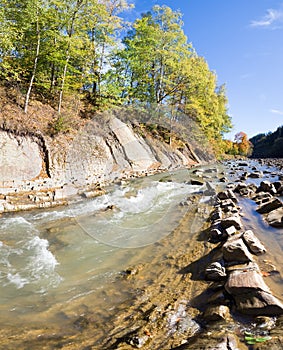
pixel 258 303
pixel 245 281
pixel 269 206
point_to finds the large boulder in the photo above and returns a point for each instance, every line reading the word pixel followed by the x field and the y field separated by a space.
pixel 244 281
pixel 266 186
pixel 262 197
pixel 252 296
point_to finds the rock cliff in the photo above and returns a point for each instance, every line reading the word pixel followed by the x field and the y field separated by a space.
pixel 40 171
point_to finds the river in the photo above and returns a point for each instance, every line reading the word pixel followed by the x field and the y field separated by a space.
pixel 60 264
pixel 54 261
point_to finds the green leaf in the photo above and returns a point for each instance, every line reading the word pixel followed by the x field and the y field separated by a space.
pixel 263 339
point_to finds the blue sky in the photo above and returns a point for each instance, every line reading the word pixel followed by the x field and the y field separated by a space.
pixel 242 41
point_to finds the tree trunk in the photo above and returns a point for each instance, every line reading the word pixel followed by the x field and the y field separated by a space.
pixel 68 55
pixel 63 83
pixel 34 67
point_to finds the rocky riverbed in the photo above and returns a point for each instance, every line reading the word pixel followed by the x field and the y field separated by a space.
pixel 213 283
pixel 213 294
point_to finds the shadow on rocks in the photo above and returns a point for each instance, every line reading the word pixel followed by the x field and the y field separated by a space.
pixel 197 268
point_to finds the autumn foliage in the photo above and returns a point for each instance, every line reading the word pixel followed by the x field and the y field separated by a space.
pixel 241 145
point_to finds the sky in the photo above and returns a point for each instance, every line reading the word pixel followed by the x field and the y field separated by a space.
pixel 242 42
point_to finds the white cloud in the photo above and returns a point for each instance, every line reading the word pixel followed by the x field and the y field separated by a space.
pixel 272 18
pixel 276 111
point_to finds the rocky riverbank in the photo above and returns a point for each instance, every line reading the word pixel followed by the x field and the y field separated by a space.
pixel 211 283
pixel 221 300
pixel 38 171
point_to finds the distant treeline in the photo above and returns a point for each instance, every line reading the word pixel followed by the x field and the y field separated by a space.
pixel 268 145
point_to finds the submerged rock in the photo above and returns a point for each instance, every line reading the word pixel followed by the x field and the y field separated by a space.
pixel 215 313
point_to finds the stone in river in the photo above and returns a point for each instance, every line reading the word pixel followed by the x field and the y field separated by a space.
pixel 266 186
pixel 230 231
pixel 216 235
pixel 267 207
pixel 253 243
pixel 227 205
pixel 278 185
pixel 232 221
pixel 223 195
pixel 197 182
pixel 262 197
pixel 240 186
pixel 216 214
pixel 215 271
pixel 232 195
pixel 235 250
pixel 243 281
pixel 252 296
pixel 216 313
pixel 256 174
pixel 275 218
pixel 259 303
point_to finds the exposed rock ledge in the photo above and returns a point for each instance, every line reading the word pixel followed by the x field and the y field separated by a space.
pixel 38 171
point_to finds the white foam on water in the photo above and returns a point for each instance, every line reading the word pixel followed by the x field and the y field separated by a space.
pixel 140 215
pixel 17 280
pixel 41 263
pixel 26 261
pixel 150 197
pixel 16 221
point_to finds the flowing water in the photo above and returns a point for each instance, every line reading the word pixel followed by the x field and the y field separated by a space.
pixel 54 261
pixel 58 264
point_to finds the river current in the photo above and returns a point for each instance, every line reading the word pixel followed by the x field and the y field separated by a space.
pixel 53 259
pixel 58 264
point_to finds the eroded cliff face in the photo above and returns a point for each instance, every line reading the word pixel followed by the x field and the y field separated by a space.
pixel 37 171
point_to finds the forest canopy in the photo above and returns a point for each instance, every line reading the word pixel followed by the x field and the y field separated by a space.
pixel 268 145
pixel 51 49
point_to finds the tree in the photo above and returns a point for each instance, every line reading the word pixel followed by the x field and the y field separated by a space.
pixel 243 144
pixel 52 48
pixel 153 57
